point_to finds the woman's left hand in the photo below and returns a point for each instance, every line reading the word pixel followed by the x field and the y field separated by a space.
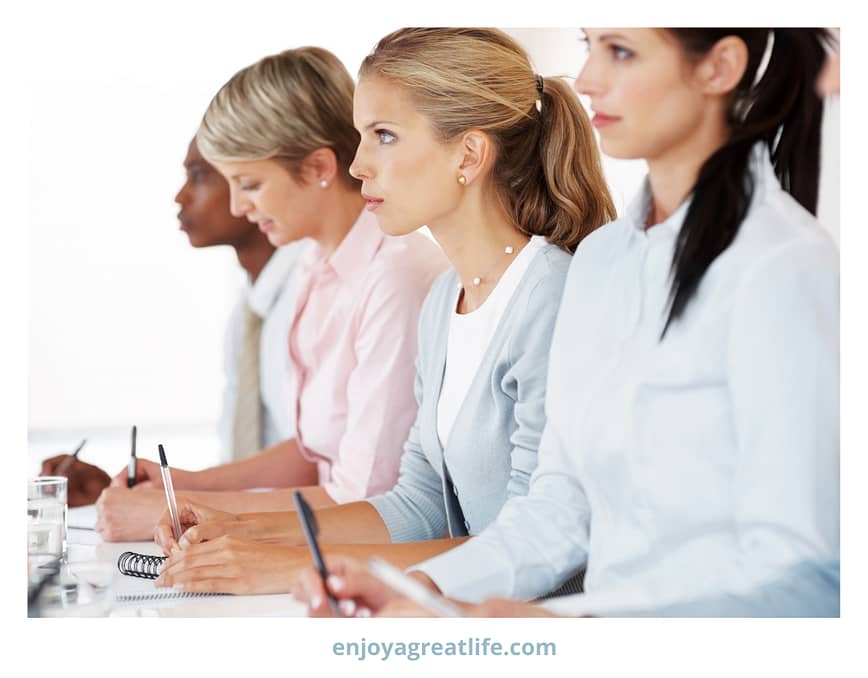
pixel 233 565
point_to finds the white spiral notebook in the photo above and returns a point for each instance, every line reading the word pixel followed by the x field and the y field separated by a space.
pixel 138 597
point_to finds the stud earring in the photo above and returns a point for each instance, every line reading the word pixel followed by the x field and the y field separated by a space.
pixel 462 179
pixel 323 184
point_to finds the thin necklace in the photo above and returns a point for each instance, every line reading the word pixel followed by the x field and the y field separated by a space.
pixel 509 250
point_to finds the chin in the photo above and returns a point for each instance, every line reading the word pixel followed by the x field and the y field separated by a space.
pixel 620 149
pixel 279 238
pixel 197 242
pixel 388 227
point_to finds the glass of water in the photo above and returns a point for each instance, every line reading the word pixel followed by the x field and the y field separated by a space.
pixel 46 518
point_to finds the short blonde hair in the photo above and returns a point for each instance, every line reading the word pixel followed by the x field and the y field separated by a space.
pixel 283 107
pixel 548 170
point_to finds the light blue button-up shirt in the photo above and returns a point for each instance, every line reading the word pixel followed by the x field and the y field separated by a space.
pixel 701 464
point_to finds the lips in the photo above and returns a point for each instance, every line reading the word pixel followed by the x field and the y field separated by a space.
pixel 265 225
pixel 372 203
pixel 601 120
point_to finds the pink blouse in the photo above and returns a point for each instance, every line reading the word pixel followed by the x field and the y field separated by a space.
pixel 353 348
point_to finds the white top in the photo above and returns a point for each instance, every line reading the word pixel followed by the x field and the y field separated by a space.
pixel 272 297
pixel 469 337
pixel 703 464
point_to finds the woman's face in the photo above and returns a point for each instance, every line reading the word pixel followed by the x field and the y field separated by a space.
pixel 266 193
pixel 643 93
pixel 204 202
pixel 409 177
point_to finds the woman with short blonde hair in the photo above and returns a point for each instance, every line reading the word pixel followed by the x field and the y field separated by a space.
pixel 281 132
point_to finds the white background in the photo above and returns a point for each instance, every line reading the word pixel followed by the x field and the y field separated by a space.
pixel 92 95
pixel 126 319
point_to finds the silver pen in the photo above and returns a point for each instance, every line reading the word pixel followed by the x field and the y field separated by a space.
pixel 170 493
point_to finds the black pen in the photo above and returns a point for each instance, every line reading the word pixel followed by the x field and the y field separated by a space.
pixel 308 524
pixel 131 469
pixel 66 463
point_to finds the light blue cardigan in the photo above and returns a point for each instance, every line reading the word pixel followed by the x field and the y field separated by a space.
pixel 492 448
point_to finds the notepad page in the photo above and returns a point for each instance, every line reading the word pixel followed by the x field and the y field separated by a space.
pixel 82 517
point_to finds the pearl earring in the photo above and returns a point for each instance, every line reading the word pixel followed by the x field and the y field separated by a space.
pixel 462 179
pixel 323 184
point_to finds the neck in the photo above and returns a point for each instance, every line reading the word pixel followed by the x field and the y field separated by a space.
pixel 254 255
pixel 473 237
pixel 339 212
pixel 673 174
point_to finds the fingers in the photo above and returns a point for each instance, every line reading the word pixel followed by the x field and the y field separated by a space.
pixel 309 589
pixel 199 513
pixel 204 533
pixel 165 538
pixel 147 476
pixel 348 579
pixel 49 465
pixel 218 578
pixel 189 559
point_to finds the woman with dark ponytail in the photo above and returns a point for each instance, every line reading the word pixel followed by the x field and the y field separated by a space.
pixel 691 448
pixel 457 133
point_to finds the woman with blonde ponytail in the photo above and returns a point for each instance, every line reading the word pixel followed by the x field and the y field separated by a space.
pixel 457 133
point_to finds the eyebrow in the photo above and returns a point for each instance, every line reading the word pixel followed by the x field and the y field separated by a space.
pixel 195 163
pixel 380 122
pixel 608 37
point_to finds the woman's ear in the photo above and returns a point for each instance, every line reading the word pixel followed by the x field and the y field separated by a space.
pixel 723 67
pixel 320 165
pixel 476 154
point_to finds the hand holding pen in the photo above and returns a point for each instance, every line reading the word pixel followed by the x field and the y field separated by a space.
pixel 85 481
pixel 310 527
pixel 63 467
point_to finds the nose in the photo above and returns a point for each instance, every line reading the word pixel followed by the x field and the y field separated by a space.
pixel 359 168
pixel 239 205
pixel 181 195
pixel 588 81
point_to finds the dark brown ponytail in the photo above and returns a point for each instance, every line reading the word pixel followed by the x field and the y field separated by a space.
pixel 783 110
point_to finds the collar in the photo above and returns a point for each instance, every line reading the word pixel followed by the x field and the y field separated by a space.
pixel 263 294
pixel 759 165
pixel 352 256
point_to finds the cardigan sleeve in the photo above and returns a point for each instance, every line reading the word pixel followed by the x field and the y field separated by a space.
pixel 525 380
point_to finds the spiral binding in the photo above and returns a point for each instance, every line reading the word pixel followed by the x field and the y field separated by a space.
pixel 161 595
pixel 140 565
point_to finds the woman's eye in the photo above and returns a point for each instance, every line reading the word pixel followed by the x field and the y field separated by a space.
pixel 385 136
pixel 249 187
pixel 620 53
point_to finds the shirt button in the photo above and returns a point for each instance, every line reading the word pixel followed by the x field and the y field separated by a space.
pixel 455 490
pixel 467 526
